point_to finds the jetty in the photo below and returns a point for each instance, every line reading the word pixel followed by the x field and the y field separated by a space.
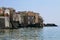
pixel 50 25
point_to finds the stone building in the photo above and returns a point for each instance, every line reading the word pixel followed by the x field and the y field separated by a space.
pixel 28 17
pixel 22 18
pixel 13 18
pixel 34 18
pixel 1 12
pixel 7 14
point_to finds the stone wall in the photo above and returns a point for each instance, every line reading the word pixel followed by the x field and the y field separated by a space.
pixel 2 22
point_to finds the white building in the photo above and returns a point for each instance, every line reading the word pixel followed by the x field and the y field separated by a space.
pixel 7 20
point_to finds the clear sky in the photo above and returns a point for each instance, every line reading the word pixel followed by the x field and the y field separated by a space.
pixel 48 9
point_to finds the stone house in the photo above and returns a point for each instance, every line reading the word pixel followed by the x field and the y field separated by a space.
pixel 28 17
pixel 7 14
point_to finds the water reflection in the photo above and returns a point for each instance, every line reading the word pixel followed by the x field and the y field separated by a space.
pixel 21 34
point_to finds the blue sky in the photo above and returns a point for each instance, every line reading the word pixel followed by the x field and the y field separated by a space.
pixel 48 9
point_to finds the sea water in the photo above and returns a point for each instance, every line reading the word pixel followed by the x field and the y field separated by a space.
pixel 45 33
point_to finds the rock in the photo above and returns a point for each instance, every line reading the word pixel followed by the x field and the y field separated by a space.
pixel 49 24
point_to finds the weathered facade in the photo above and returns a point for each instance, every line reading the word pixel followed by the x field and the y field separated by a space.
pixel 25 18
pixel 7 14
pixel 33 18
pixel 28 17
